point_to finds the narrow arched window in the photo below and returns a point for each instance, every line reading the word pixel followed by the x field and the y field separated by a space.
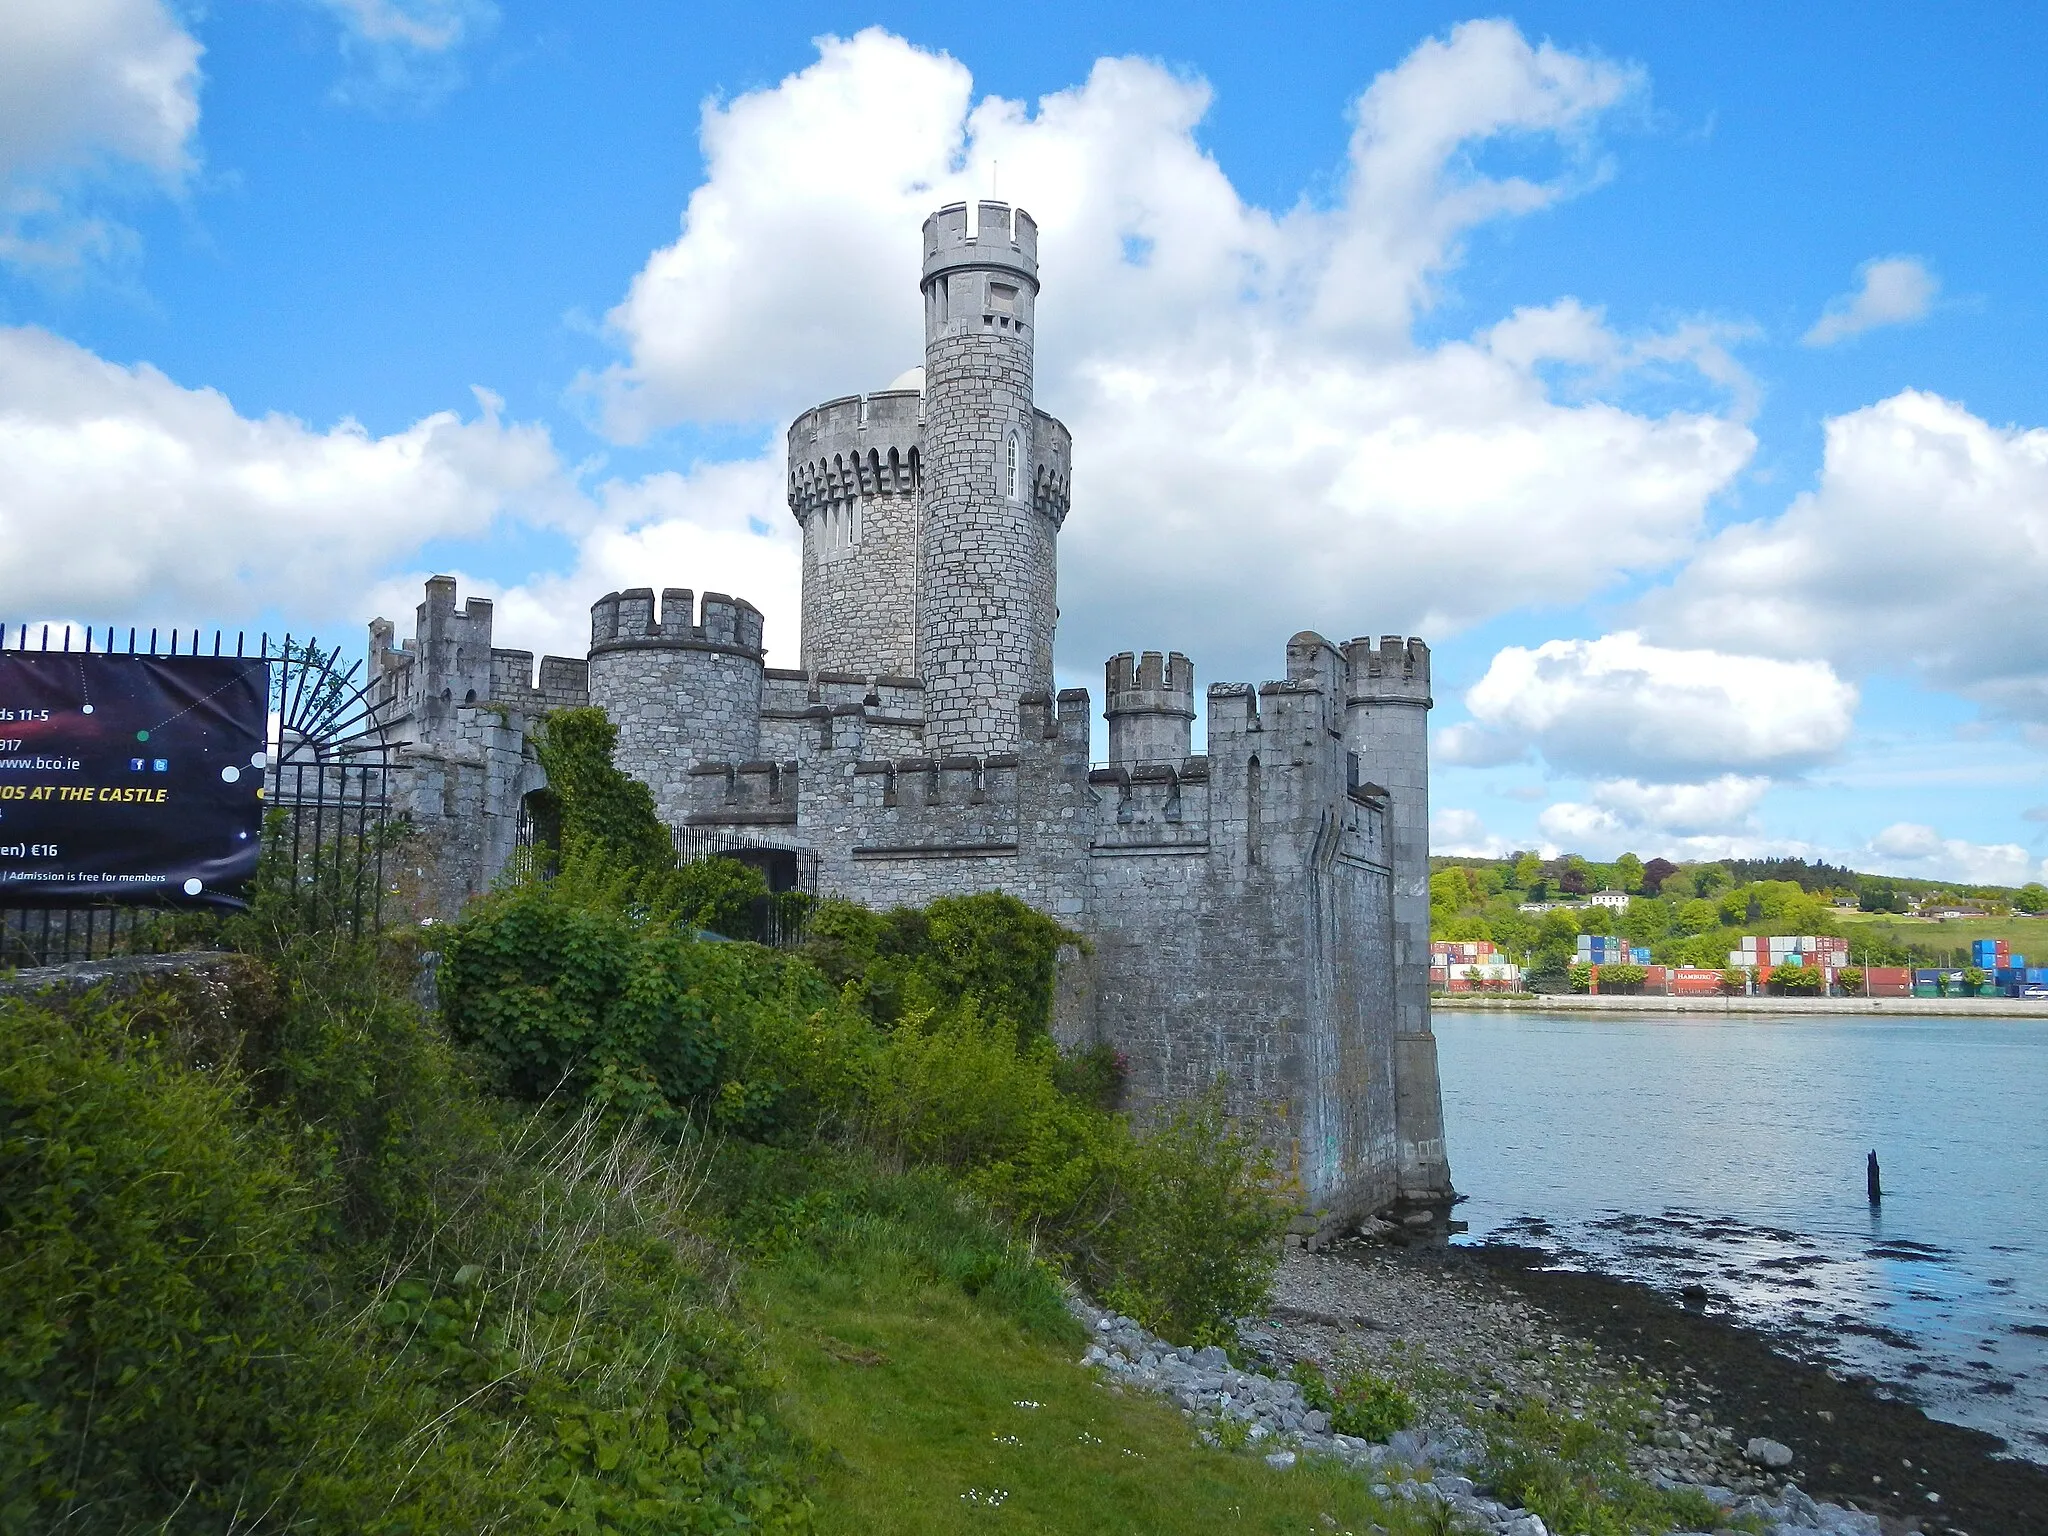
pixel 1252 811
pixel 1012 465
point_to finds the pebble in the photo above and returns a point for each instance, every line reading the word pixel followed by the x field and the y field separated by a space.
pixel 1502 1342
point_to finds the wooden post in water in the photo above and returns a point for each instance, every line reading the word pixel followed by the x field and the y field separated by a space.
pixel 1870 1179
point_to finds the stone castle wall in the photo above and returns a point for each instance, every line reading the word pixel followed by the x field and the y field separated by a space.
pixel 1256 913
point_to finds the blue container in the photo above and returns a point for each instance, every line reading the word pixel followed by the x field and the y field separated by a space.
pixel 2017 962
pixel 1639 956
pixel 2006 976
pixel 1928 978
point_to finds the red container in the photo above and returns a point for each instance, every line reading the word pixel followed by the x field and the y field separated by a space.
pixel 1695 981
pixel 1888 981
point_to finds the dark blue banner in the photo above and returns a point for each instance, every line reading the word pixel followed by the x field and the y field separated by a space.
pixel 130 778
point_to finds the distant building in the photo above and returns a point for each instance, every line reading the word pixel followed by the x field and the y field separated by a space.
pixel 1611 898
pixel 1538 908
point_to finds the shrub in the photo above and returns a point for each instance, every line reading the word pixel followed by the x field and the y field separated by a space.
pixel 1850 979
pixel 989 947
pixel 154 1254
pixel 1360 1403
pixel 1797 978
pixel 1734 978
pixel 1622 978
pixel 1195 1235
pixel 630 1010
pixel 1581 976
pixel 1096 1076
pixel 1573 1472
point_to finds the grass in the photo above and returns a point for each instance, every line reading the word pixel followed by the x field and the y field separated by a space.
pixel 944 1393
pixel 2028 935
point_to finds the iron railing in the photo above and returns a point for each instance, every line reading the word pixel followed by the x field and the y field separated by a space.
pixel 328 797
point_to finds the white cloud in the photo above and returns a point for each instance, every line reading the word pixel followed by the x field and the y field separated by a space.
pixel 127 496
pixel 1893 291
pixel 1715 819
pixel 1260 444
pixel 1923 550
pixel 432 26
pixel 1617 705
pixel 1462 834
pixel 405 51
pixel 90 90
pixel 700 530
pixel 200 515
pixel 1911 848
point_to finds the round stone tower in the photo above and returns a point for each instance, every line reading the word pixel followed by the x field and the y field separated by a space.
pixel 855 470
pixel 996 473
pixel 679 693
pixel 1149 702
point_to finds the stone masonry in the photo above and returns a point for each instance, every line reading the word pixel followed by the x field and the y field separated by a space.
pixel 1256 911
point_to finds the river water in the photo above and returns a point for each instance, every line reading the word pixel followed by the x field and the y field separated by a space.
pixel 1728 1152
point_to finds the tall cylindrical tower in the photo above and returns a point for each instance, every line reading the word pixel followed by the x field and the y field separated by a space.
pixel 995 483
pixel 854 477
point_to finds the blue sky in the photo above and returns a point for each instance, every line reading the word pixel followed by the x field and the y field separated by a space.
pixel 1510 330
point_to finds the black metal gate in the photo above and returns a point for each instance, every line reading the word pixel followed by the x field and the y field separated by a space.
pixel 327 793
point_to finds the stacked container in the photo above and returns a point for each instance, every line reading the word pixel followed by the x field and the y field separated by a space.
pixel 1603 949
pixel 1456 964
pixel 1887 981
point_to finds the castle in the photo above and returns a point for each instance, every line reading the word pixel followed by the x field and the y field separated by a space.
pixel 1257 911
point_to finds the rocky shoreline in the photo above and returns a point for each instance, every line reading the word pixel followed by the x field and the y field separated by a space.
pixel 1473 1333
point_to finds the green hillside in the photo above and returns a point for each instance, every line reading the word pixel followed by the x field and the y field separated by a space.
pixel 1694 914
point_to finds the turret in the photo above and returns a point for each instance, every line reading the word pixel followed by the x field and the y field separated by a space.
pixel 1150 706
pixel 1386 727
pixel 855 473
pixel 679 692
pixel 996 476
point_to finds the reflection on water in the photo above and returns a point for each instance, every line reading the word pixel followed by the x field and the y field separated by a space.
pixel 1727 1153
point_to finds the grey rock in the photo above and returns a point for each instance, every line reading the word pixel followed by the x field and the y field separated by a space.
pixel 1768 1453
pixel 1280 1461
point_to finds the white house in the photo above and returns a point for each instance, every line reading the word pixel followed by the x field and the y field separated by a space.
pixel 1618 900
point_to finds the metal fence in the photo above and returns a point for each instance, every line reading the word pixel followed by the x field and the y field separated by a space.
pixel 327 794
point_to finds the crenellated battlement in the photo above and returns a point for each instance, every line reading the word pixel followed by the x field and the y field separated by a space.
pixel 1052 467
pixel 854 447
pixel 1149 701
pixel 1000 238
pixel 628 621
pixel 1397 671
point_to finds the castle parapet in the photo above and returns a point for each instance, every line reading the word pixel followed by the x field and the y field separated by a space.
pixel 1396 672
pixel 856 447
pixel 998 240
pixel 627 621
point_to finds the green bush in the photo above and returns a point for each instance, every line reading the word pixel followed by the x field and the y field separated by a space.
pixel 1361 1403
pixel 1196 1233
pixel 1850 979
pixel 275 1282
pixel 988 947
pixel 625 1007
pixel 154 1256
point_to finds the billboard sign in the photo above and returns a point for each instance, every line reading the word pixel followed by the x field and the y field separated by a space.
pixel 130 778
